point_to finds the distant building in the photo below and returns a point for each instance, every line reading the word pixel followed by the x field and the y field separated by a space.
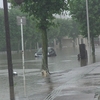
pixel 69 42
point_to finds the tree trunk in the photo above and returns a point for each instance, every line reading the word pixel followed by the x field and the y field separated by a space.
pixel 45 69
pixel 93 49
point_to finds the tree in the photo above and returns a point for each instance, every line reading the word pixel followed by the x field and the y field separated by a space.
pixel 63 29
pixel 78 12
pixel 74 30
pixel 2 32
pixel 14 29
pixel 43 11
pixel 31 33
pixel 30 30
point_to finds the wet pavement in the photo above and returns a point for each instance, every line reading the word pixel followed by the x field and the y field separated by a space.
pixel 79 84
pixel 66 82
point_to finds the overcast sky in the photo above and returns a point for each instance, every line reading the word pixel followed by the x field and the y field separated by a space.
pixel 1 3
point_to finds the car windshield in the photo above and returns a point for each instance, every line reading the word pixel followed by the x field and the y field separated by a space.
pixel 40 50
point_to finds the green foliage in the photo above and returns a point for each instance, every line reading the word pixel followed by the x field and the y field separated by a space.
pixel 74 29
pixel 78 12
pixel 64 27
pixel 43 10
pixel 29 30
pixel 31 34
pixel 2 31
pixel 14 29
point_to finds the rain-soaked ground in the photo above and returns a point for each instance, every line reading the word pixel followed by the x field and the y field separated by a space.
pixel 37 87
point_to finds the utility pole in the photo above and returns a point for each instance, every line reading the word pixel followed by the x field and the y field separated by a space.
pixel 8 47
pixel 22 21
pixel 88 30
pixel 23 61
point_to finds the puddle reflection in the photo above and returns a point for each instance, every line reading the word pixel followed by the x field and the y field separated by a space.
pixel 50 88
pixel 97 96
pixel 83 62
pixel 50 83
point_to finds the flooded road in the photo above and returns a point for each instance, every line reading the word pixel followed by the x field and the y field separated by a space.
pixel 65 60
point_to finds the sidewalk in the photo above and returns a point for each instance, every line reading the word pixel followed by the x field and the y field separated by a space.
pixel 81 84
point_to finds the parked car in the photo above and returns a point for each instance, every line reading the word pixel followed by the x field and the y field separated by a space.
pixel 51 52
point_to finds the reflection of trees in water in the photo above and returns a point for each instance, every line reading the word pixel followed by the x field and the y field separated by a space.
pixel 49 83
pixel 50 87
pixel 97 96
pixel 83 62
